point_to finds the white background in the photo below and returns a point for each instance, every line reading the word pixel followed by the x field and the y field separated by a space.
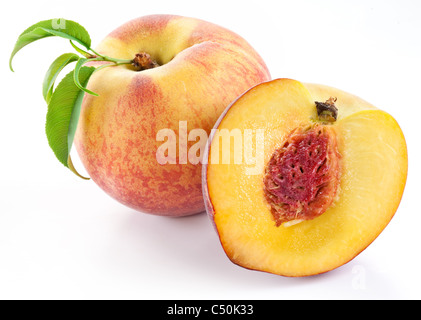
pixel 62 237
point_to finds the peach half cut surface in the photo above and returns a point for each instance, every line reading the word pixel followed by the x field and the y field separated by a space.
pixel 301 178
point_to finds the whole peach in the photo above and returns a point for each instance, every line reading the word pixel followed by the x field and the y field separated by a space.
pixel 201 69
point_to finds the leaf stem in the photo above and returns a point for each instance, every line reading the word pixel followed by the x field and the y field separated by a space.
pixel 104 66
pixel 114 60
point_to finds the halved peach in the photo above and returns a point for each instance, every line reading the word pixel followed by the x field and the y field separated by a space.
pixel 318 182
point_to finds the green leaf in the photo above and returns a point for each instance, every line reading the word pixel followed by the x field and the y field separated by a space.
pixel 82 52
pixel 54 27
pixel 73 169
pixel 79 66
pixel 63 115
pixel 56 67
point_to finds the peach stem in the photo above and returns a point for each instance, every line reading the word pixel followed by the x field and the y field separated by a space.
pixel 327 111
pixel 143 61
